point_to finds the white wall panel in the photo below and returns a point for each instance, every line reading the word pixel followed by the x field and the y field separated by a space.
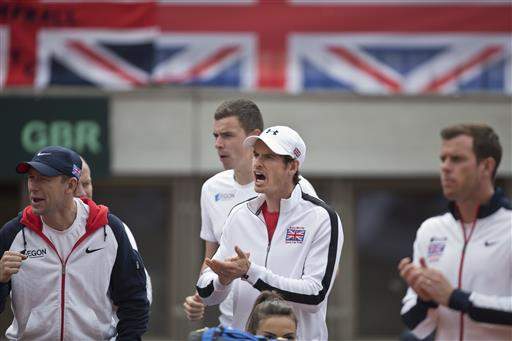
pixel 170 131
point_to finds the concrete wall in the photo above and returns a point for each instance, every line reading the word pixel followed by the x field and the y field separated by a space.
pixel 164 132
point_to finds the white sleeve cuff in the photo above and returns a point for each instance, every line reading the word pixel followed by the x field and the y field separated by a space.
pixel 254 273
pixel 219 286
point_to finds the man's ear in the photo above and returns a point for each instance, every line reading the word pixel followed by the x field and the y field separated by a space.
pixel 72 184
pixel 489 164
pixel 294 166
pixel 254 132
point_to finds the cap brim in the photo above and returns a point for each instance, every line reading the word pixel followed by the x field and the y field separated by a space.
pixel 24 167
pixel 275 147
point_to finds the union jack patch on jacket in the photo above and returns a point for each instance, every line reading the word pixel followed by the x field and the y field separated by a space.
pixel 295 235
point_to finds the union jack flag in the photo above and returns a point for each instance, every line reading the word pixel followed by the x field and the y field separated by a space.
pixel 206 59
pixel 377 47
pixel 401 63
pixel 295 235
pixel 105 58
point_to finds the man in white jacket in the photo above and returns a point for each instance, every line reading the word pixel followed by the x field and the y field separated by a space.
pixel 67 263
pixel 282 240
pixel 234 121
pixel 460 281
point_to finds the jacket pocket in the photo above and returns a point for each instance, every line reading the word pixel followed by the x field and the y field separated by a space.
pixel 86 325
pixel 43 324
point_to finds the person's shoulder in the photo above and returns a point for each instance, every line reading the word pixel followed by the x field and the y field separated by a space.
pixel 501 216
pixel 224 178
pixel 242 207
pixel 318 207
pixel 221 176
pixel 10 229
pixel 435 223
pixel 14 223
pixel 115 222
pixel 315 202
pixel 306 186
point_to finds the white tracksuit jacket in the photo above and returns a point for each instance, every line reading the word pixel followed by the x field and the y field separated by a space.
pixel 485 296
pixel 300 262
pixel 97 293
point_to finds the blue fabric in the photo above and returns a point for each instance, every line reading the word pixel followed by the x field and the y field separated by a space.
pixel 227 334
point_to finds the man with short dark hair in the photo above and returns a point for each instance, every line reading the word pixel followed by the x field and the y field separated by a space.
pixel 460 280
pixel 283 240
pixel 234 121
pixel 67 262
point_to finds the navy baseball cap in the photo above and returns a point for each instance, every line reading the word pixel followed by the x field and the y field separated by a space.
pixel 53 161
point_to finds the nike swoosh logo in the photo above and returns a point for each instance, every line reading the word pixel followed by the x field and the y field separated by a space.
pixel 488 243
pixel 92 250
pixel 43 154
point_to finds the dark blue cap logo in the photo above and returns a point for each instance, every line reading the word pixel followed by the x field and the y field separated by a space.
pixel 54 161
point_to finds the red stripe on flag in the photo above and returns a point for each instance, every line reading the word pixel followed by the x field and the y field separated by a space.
pixel 283 17
pixel 367 68
pixel 106 64
pixel 196 71
pixel 486 54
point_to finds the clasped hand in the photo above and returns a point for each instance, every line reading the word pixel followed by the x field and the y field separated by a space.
pixel 231 268
pixel 429 283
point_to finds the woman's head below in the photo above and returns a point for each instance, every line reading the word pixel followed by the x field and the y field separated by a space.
pixel 272 317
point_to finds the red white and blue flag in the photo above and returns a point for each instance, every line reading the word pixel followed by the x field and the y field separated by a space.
pixel 295 235
pixel 112 59
pixel 205 59
pixel 370 47
pixel 400 63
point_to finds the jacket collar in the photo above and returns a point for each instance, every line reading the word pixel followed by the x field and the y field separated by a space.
pixel 497 201
pixel 97 217
pixel 285 205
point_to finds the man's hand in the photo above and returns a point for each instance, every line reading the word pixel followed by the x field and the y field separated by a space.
pixel 194 307
pixel 10 264
pixel 413 276
pixel 436 285
pixel 232 268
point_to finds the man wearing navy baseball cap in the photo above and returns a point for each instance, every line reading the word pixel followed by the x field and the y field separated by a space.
pixel 67 262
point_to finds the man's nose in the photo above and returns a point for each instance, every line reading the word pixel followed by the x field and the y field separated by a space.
pixel 445 166
pixel 219 143
pixel 255 161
